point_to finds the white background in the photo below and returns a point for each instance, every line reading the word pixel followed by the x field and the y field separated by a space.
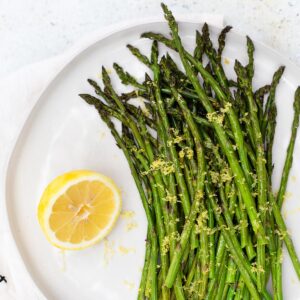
pixel 33 30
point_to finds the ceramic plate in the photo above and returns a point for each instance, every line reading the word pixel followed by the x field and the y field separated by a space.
pixel 63 133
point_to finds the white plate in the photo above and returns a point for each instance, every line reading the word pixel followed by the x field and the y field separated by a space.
pixel 63 133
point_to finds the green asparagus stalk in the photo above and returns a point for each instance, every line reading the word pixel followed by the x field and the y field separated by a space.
pixel 201 157
pixel 239 175
pixel 290 150
pixel 282 191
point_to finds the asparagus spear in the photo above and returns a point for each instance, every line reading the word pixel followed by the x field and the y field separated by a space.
pixel 190 192
pixel 223 140
pixel 199 184
pixel 290 150
pixel 283 186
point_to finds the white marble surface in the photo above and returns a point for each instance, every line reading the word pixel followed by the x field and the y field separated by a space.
pixel 33 30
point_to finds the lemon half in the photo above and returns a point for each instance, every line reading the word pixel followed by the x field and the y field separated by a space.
pixel 78 209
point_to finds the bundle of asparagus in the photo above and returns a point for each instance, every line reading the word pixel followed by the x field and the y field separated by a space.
pixel 200 152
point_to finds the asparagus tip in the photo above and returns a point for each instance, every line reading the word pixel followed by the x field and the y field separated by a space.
pixel 169 17
pixel 164 6
pixel 297 101
pixel 237 65
pixel 91 81
pixel 227 28
pixel 279 72
pixel 249 41
pixel 205 30
pixel 87 98
pixel 130 47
